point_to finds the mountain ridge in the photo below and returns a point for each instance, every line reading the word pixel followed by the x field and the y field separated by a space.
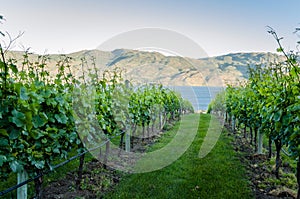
pixel 142 66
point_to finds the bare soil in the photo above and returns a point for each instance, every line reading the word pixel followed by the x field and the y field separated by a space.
pixel 97 179
pixel 259 171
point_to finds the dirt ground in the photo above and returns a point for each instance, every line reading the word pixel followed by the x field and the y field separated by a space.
pixel 258 171
pixel 96 180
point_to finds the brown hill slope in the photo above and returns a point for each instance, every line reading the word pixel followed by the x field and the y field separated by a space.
pixel 143 67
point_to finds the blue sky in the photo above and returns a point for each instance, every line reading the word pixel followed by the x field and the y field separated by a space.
pixel 218 26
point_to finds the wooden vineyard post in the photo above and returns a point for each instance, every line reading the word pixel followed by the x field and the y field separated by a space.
pixel 80 171
pixel 22 191
pixel 106 153
pixel 233 124
pixel 100 154
pixel 160 121
pixel 127 141
pixel 260 142
pixel 298 177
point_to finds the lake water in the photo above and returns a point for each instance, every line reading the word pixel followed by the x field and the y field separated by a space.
pixel 199 96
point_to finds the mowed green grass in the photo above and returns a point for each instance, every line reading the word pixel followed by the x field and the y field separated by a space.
pixel 217 175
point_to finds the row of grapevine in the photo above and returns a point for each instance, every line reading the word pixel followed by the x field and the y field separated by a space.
pixel 40 114
pixel 36 121
pixel 269 103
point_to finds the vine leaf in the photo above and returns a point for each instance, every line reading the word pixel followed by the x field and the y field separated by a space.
pixel 2 160
pixel 3 132
pixel 18 118
pixel 15 166
pixel 14 134
pixel 23 94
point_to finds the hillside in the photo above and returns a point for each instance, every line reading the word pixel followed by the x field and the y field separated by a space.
pixel 142 67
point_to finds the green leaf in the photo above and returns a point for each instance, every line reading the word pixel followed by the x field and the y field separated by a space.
pixel 14 134
pixel 48 149
pixel 2 160
pixel 39 164
pixel 56 150
pixel 47 93
pixel 25 133
pixel 13 68
pixel 29 124
pixel 60 100
pixel 3 132
pixel 51 101
pixel 296 108
pixel 15 166
pixel 29 150
pixel 23 93
pixel 18 118
pixel 17 87
pixel 61 118
pixel 3 143
pixel 44 116
pixel 44 140
pixel 279 50
pixel 277 116
pixel 39 120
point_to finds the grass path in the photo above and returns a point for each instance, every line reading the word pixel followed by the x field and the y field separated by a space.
pixel 217 175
